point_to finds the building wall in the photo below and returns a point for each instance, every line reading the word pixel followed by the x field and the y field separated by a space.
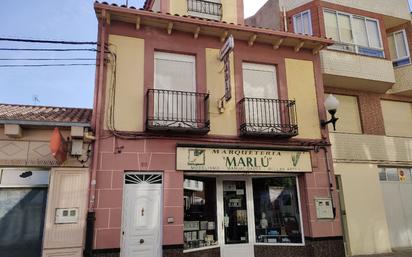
pixel 68 186
pixel 370 108
pixel 220 123
pixel 232 10
pixel 348 113
pixel 289 5
pixel 394 8
pixel 366 219
pixel 160 155
pixel 301 87
pixel 135 49
pixel 268 16
pixel 298 78
pixel 371 148
pixel 127 114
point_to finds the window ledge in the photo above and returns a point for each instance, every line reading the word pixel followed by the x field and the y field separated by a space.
pixel 356 54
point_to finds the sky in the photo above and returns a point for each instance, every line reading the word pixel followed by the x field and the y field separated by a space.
pixel 69 20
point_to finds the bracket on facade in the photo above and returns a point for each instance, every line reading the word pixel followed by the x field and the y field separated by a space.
pixel 299 45
pixel 169 28
pixel 252 39
pixel 277 43
pixel 224 36
pixel 317 49
pixel 138 19
pixel 196 33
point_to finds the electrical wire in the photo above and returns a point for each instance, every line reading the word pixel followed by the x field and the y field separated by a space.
pixel 49 49
pixel 47 59
pixel 47 41
pixel 46 65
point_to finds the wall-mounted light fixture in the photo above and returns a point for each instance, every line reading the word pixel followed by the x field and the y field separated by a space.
pixel 331 105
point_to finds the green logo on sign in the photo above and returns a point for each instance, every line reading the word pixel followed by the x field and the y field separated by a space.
pixel 295 158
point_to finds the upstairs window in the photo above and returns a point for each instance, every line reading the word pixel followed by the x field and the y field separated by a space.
pixel 398 47
pixel 354 33
pixel 208 9
pixel 302 23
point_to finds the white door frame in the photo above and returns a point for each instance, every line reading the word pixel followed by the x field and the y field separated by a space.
pixel 250 213
pixel 124 198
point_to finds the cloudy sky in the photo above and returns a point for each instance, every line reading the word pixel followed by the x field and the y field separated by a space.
pixel 54 20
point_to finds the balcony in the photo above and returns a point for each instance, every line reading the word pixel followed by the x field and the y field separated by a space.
pixel 177 111
pixel 395 12
pixel 403 77
pixel 267 117
pixel 356 72
pixel 205 9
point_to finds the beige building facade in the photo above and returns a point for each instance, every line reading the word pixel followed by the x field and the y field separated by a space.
pixel 368 70
pixel 43 199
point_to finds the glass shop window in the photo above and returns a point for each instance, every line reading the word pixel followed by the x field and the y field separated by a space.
pixel 200 228
pixel 277 215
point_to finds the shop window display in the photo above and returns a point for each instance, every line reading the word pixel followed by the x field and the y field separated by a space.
pixel 200 228
pixel 277 215
pixel 235 212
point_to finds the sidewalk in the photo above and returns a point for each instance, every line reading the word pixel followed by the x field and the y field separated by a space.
pixel 396 253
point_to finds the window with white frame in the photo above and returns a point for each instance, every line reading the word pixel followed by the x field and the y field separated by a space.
pixel 354 33
pixel 302 23
pixel 398 47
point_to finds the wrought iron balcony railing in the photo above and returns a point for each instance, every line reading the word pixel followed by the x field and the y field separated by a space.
pixel 177 111
pixel 267 117
pixel 205 7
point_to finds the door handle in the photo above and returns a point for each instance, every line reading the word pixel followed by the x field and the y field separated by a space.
pixel 141 241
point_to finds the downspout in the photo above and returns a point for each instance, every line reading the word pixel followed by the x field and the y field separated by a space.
pixel 330 179
pixel 88 252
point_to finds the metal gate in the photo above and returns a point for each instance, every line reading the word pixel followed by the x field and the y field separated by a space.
pixel 397 193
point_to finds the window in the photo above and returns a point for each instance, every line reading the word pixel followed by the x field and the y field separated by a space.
pixel 175 76
pixel 210 9
pixel 277 211
pixel 395 175
pixel 260 89
pixel 398 47
pixel 397 117
pixel 302 23
pixel 354 33
pixel 200 227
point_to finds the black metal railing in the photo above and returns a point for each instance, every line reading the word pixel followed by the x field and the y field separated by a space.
pixel 205 7
pixel 177 111
pixel 267 117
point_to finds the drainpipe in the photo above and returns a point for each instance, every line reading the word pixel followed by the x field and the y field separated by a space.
pixel 330 179
pixel 88 252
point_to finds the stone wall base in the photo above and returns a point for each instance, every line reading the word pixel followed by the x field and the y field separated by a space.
pixel 319 247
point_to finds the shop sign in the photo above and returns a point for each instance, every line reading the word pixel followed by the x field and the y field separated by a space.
pixel 243 160
pixel 224 57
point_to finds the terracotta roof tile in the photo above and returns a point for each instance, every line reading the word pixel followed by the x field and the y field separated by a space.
pixel 15 112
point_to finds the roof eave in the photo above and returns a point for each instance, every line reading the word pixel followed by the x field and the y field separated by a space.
pixel 45 123
pixel 143 14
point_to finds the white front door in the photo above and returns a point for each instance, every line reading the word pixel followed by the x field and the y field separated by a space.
pixel 235 216
pixel 142 215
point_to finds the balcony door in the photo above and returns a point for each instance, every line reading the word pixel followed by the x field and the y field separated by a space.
pixel 174 83
pixel 261 94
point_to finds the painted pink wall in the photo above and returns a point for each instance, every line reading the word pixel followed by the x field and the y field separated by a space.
pixel 159 155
